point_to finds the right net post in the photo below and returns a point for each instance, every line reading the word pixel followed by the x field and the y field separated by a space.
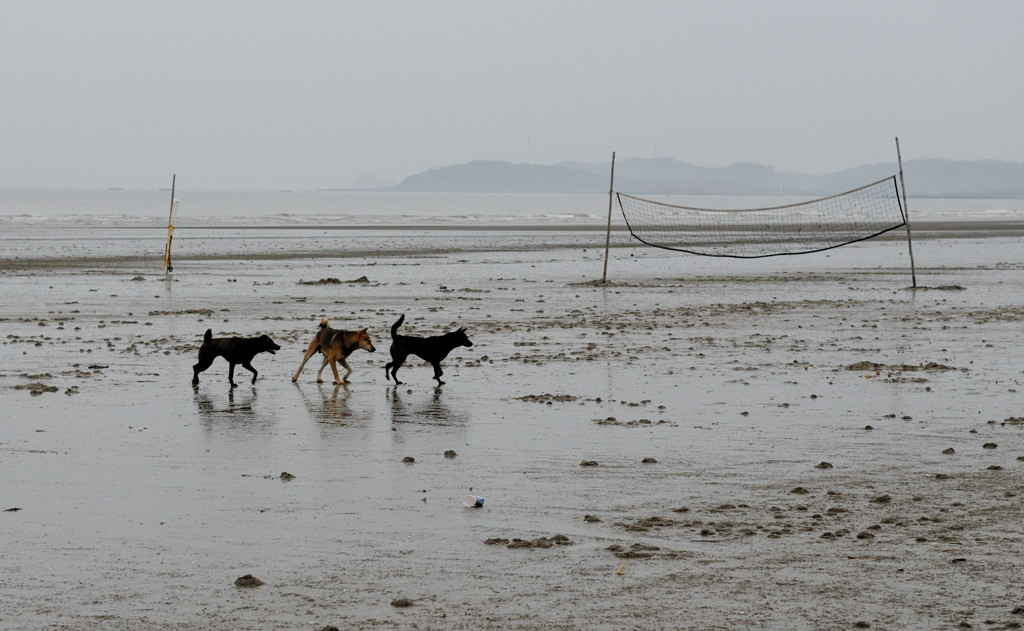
pixel 906 217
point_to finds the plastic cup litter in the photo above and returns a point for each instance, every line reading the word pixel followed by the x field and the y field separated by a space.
pixel 474 501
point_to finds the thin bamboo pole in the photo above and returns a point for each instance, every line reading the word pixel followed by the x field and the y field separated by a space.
pixel 170 229
pixel 608 233
pixel 906 218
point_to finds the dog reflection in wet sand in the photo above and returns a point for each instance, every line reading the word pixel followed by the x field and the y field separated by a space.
pixel 336 346
pixel 432 349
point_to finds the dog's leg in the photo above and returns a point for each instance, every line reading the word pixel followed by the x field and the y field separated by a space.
pixel 231 374
pixel 323 365
pixel 248 366
pixel 309 353
pixel 397 360
pixel 437 373
pixel 348 371
pixel 334 369
pixel 204 362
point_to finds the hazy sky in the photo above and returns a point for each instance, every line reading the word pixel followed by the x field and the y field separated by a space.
pixel 254 94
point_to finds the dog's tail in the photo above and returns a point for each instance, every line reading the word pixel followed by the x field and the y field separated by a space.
pixel 207 336
pixel 398 323
pixel 323 323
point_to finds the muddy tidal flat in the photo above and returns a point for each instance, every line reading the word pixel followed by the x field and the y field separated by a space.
pixel 790 443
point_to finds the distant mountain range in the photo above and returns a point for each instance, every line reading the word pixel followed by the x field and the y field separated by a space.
pixel 924 178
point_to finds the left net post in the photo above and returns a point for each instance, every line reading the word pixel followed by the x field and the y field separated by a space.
pixel 608 232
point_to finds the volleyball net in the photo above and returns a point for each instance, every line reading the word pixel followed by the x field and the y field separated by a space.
pixel 812 226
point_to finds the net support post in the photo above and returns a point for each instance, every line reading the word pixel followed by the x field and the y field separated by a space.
pixel 608 232
pixel 906 217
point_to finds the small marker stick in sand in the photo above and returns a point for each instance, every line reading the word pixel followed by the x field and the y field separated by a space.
pixel 170 228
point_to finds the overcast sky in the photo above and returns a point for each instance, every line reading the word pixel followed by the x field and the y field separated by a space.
pixel 254 94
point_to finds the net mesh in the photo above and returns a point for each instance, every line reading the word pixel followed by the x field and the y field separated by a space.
pixel 812 226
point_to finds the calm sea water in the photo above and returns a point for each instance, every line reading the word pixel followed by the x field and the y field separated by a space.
pixel 133 208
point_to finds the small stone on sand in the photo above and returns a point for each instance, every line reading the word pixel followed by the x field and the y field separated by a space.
pixel 248 581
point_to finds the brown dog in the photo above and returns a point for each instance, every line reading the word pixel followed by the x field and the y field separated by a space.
pixel 237 350
pixel 336 346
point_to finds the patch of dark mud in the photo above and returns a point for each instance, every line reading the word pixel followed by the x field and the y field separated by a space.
pixel 335 281
pixel 905 380
pixel 600 283
pixel 938 288
pixel 248 581
pixel 866 366
pixel 206 313
pixel 322 281
pixel 645 524
pixel 549 398
pixel 444 289
pixel 36 388
pixel 642 422
pixel 530 544
pixel 731 522
pixel 645 551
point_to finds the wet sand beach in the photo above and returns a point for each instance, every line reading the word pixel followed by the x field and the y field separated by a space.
pixel 788 443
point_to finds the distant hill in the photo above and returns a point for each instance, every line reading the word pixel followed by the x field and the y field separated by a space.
pixel 924 178
pixel 371 182
pixel 489 176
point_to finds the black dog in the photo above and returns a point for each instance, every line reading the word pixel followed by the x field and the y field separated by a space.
pixel 432 349
pixel 237 350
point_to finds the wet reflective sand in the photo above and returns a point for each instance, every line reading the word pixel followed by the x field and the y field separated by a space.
pixel 823 446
